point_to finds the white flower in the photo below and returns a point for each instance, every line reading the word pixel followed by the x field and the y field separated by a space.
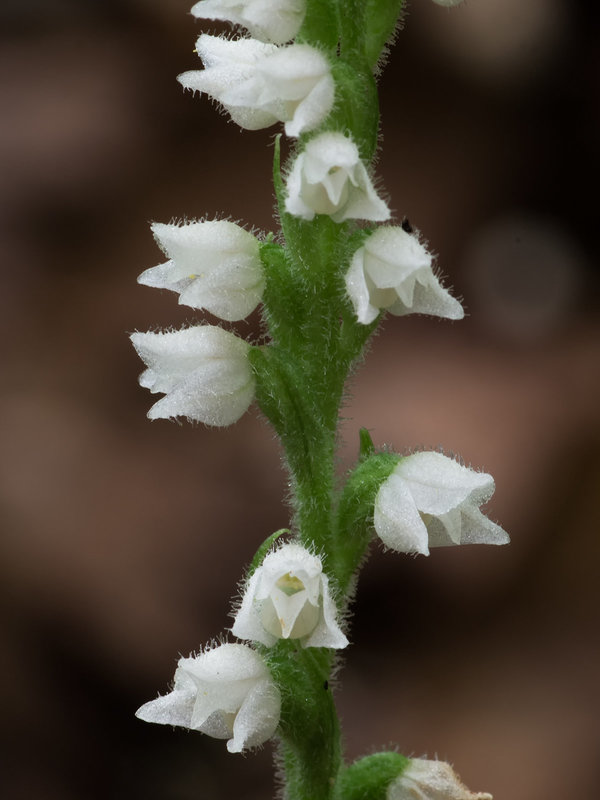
pixel 204 372
pixel 328 177
pixel 260 84
pixel 392 271
pixel 227 693
pixel 431 500
pixel 431 780
pixel 213 265
pixel 288 597
pixel 275 21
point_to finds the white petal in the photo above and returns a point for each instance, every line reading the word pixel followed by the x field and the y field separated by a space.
pixel 397 520
pixel 358 291
pixel 174 708
pixel 327 633
pixel 478 529
pixel 438 483
pixel 258 717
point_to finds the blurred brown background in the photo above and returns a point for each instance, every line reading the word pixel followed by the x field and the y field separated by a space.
pixel 122 541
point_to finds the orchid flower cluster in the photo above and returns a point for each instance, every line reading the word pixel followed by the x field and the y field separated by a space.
pixel 324 281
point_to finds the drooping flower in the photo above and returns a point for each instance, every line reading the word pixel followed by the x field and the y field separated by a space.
pixel 288 597
pixel 392 271
pixel 213 265
pixel 431 500
pixel 204 372
pixel 227 693
pixel 431 780
pixel 275 21
pixel 328 177
pixel 260 84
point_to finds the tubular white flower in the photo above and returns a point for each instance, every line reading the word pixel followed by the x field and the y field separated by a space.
pixel 288 597
pixel 431 780
pixel 328 177
pixel 392 271
pixel 227 693
pixel 431 500
pixel 213 265
pixel 275 21
pixel 260 84
pixel 204 372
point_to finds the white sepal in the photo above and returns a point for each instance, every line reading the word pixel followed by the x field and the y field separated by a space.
pixel 328 177
pixel 393 271
pixel 213 265
pixel 431 780
pixel 431 500
pixel 227 693
pixel 288 597
pixel 203 371
pixel 275 21
pixel 260 84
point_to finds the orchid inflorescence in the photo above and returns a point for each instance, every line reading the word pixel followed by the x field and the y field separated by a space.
pixel 324 282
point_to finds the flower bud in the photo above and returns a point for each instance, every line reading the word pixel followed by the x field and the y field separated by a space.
pixel 431 500
pixel 392 271
pixel 431 780
pixel 260 84
pixel 328 177
pixel 275 21
pixel 227 693
pixel 287 597
pixel 203 371
pixel 213 265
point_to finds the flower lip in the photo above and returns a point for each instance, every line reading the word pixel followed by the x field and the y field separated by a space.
pixel 288 597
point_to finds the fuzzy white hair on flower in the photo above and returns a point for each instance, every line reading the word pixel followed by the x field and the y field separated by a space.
pixel 260 84
pixel 328 177
pixel 431 500
pixel 430 780
pixel 213 265
pixel 393 271
pixel 275 21
pixel 288 597
pixel 203 371
pixel 226 692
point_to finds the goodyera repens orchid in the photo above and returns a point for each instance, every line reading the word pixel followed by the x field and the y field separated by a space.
pixel 328 177
pixel 430 780
pixel 227 693
pixel 431 500
pixel 288 597
pixel 275 21
pixel 392 271
pixel 213 265
pixel 322 278
pixel 204 372
pixel 260 84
